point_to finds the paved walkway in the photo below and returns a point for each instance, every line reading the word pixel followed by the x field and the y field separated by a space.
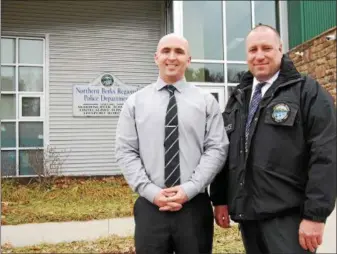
pixel 56 232
pixel 329 237
pixel 30 234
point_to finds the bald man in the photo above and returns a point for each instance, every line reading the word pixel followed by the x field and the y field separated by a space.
pixel 170 144
pixel 279 181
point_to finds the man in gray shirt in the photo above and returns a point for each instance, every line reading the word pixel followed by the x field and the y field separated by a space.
pixel 170 144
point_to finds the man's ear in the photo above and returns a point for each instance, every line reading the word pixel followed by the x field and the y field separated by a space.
pixel 156 58
pixel 281 47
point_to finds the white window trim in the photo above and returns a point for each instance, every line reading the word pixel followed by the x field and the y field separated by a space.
pixel 207 61
pixel 19 94
pixel 224 35
pixel 27 148
pixel 207 84
pixel 214 88
pixel 30 65
pixel 42 109
pixel 8 121
pixel 252 8
pixel 236 62
pixel 8 64
pixel 217 61
pixel 8 149
pixel 9 92
pixel 283 18
pixel 178 17
pixel 46 92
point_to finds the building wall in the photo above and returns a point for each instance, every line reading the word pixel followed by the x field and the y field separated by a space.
pixel 294 23
pixel 318 60
pixel 307 19
pixel 85 39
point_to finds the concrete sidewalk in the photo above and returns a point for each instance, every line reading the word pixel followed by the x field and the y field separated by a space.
pixel 31 234
pixel 56 232
pixel 329 237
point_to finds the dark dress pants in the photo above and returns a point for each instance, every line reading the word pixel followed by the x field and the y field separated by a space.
pixel 189 230
pixel 277 235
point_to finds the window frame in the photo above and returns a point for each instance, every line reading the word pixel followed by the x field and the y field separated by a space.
pixel 22 94
pixel 178 25
pixel 31 118
pixel 214 88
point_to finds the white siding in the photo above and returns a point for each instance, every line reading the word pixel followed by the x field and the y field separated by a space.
pixel 87 38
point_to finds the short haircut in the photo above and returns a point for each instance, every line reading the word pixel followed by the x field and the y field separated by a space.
pixel 260 25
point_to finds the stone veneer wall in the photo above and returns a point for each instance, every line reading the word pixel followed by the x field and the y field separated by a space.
pixel 318 60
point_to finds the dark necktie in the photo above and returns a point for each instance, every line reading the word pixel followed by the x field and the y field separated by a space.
pixel 171 143
pixel 254 104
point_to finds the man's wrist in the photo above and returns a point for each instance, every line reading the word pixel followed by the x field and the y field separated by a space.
pixel 219 203
pixel 190 189
pixel 150 191
pixel 314 218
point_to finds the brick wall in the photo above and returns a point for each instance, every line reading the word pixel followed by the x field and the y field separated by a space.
pixel 318 60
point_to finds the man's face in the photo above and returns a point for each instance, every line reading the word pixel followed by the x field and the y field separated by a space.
pixel 264 53
pixel 172 58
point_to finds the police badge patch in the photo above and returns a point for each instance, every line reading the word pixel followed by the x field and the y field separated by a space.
pixel 280 112
pixel 107 80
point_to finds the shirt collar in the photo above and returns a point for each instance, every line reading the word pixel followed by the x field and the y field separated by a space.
pixel 269 81
pixel 160 84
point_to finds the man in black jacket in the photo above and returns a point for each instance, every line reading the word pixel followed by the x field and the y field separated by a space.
pixel 279 181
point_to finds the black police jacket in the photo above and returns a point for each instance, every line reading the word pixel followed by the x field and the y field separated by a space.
pixel 289 160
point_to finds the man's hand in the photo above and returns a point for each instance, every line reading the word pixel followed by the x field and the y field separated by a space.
pixel 221 216
pixel 310 234
pixel 174 194
pixel 161 200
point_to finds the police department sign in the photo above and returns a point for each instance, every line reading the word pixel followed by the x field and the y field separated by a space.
pixel 105 96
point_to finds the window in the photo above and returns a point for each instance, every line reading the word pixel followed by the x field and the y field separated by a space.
pixel 205 72
pixel 238 26
pixel 265 13
pixel 22 104
pixel 216 31
pixel 203 29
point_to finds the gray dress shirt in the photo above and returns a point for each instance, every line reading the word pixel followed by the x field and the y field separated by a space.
pixel 203 141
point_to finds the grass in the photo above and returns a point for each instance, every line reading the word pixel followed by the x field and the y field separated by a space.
pixel 79 200
pixel 225 241
pixel 66 200
pixel 112 244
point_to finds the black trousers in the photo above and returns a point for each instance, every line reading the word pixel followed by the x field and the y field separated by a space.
pixel 189 230
pixel 277 235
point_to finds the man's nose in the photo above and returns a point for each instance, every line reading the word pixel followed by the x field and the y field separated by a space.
pixel 259 55
pixel 172 55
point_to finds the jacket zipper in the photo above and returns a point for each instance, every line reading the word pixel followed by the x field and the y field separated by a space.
pixel 245 115
pixel 245 110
